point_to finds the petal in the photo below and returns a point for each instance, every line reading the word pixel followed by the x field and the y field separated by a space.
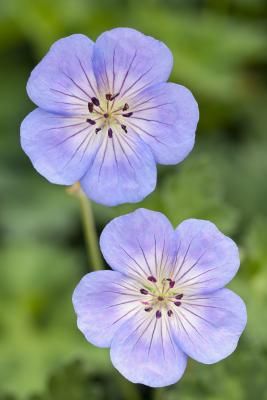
pixel 126 61
pixel 208 327
pixel 123 170
pixel 103 301
pixel 165 116
pixel 143 350
pixel 206 259
pixel 139 244
pixel 60 147
pixel 64 81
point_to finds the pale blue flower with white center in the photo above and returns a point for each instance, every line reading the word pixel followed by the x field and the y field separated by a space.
pixel 165 298
pixel 107 115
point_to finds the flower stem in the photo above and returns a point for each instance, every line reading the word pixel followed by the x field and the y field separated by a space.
pixel 91 239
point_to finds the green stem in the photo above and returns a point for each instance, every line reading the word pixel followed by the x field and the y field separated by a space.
pixel 94 256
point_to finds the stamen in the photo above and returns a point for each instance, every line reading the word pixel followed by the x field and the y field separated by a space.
pixel 125 107
pixel 124 127
pixel 158 314
pixel 148 309
pixel 170 313
pixel 108 96
pixel 127 115
pixel 95 101
pixel 179 296
pixel 177 303
pixel 143 291
pixel 91 121
pixel 110 133
pixel 97 130
pixel 152 279
pixel 90 107
pixel 171 284
pixel 114 96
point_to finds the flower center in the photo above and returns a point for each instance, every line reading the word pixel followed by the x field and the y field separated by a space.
pixel 108 113
pixel 161 296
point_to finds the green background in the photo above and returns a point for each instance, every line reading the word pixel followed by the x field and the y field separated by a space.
pixel 220 53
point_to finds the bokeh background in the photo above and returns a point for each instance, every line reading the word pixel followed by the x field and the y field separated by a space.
pixel 220 53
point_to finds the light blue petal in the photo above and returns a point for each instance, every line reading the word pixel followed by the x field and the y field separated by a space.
pixel 165 116
pixel 140 244
pixel 61 148
pixel 207 259
pixel 126 61
pixel 122 171
pixel 103 301
pixel 64 81
pixel 144 351
pixel 208 327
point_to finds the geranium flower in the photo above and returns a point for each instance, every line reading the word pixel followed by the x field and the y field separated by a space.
pixel 106 115
pixel 164 299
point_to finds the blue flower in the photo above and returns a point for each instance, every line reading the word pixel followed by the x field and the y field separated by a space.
pixel 164 299
pixel 107 115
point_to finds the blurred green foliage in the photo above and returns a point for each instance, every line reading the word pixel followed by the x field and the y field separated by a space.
pixel 220 53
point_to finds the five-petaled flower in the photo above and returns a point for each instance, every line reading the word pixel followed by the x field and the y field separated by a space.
pixel 107 115
pixel 164 299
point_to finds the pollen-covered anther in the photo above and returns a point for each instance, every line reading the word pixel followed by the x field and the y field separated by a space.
pixel 152 279
pixel 169 313
pixel 124 128
pixel 143 291
pixel 95 101
pixel 91 121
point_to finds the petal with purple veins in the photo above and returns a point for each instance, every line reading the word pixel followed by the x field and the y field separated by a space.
pixel 140 244
pixel 165 116
pixel 64 81
pixel 103 301
pixel 61 148
pixel 207 327
pixel 144 351
pixel 206 259
pixel 123 170
pixel 126 61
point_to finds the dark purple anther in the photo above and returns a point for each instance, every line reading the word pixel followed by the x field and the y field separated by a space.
pixel 124 128
pixel 95 101
pixel 91 121
pixel 127 115
pixel 114 96
pixel 158 314
pixel 106 115
pixel 147 309
pixel 152 279
pixel 177 303
pixel 97 130
pixel 179 296
pixel 169 312
pixel 110 133
pixel 90 107
pixel 108 96
pixel 125 107
pixel 143 291
pixel 171 284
